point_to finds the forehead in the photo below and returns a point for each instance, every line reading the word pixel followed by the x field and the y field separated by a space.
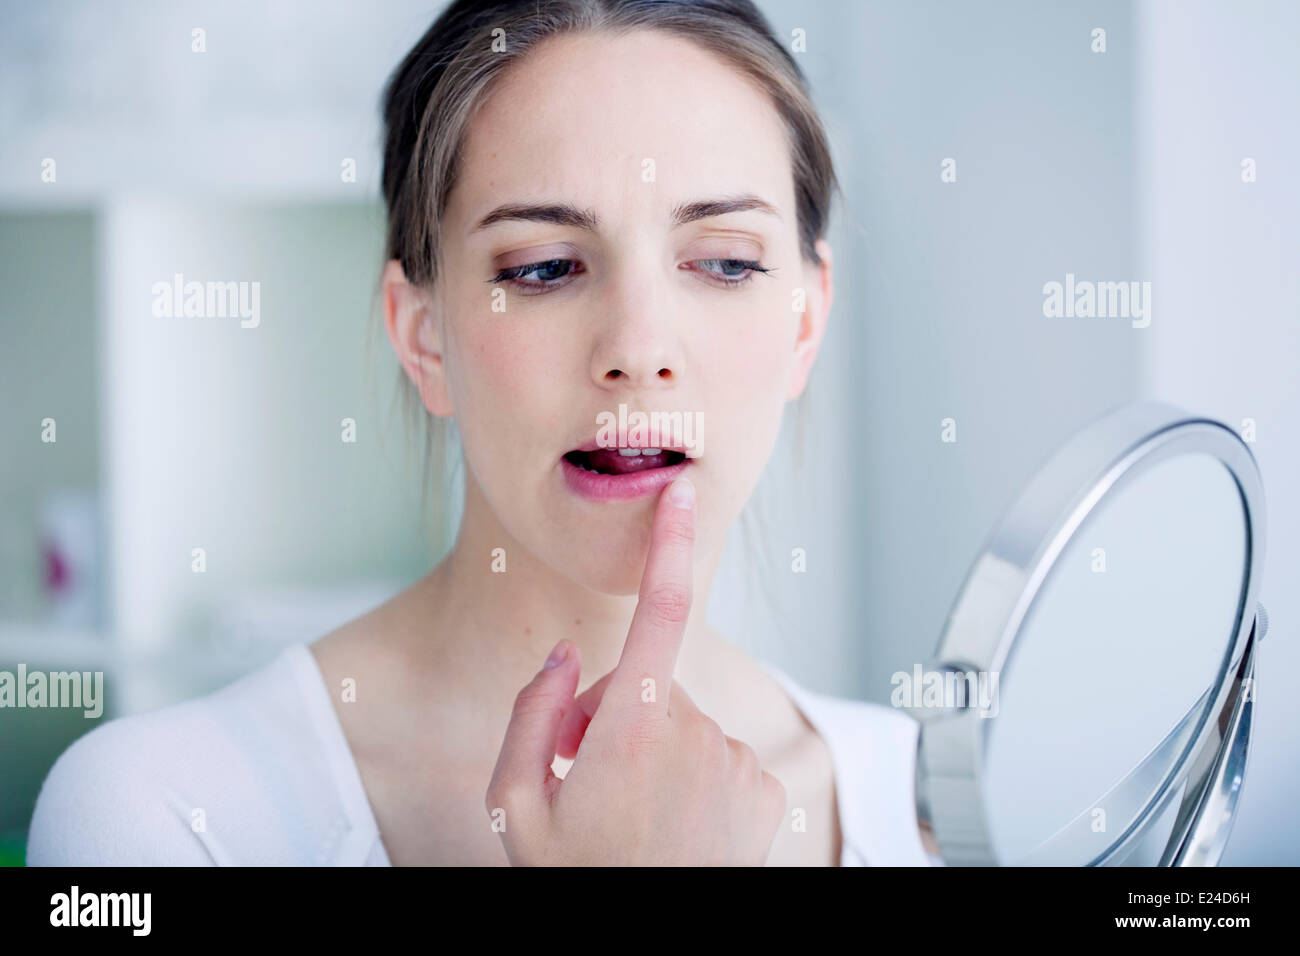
pixel 582 117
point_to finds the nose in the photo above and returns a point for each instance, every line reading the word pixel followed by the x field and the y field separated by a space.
pixel 638 345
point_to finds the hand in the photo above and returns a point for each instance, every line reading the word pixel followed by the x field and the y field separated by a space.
pixel 654 781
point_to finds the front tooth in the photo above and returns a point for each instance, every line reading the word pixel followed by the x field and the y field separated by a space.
pixel 652 451
pixel 629 452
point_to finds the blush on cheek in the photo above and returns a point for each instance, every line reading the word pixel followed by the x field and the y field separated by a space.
pixel 512 370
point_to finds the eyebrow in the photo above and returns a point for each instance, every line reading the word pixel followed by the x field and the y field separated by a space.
pixel 566 214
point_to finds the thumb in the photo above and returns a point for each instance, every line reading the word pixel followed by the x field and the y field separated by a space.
pixel 523 769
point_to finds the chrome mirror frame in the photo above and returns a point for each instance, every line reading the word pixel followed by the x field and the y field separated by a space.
pixel 1001 588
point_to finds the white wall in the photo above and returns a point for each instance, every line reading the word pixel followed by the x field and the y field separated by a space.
pixel 117 96
pixel 1218 83
pixel 939 308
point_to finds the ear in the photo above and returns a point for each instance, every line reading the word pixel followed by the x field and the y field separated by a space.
pixel 411 321
pixel 819 292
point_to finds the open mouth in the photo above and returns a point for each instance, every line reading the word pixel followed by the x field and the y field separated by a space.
pixel 621 474
pixel 624 461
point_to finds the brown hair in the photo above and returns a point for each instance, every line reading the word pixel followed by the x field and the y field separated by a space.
pixel 432 95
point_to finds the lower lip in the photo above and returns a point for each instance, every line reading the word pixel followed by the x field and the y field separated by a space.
pixel 637 484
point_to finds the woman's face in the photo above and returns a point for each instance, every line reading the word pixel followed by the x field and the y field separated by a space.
pixel 635 298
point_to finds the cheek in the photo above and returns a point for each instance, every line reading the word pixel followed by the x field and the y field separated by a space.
pixel 510 395
pixel 750 360
pixel 751 353
pixel 494 369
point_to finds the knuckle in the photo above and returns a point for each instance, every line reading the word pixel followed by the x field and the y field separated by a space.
pixel 776 792
pixel 744 757
pixel 707 734
pixel 681 701
pixel 503 795
pixel 642 736
pixel 670 604
pixel 532 700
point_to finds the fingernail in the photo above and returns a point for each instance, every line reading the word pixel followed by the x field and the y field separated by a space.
pixel 560 652
pixel 682 493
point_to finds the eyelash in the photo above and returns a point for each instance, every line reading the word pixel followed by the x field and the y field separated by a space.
pixel 515 274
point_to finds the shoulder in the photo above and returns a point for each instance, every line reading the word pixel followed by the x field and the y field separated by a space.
pixel 103 803
pixel 889 734
pixel 873 748
pixel 225 778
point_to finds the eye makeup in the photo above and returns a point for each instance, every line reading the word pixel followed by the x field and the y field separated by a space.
pixel 544 275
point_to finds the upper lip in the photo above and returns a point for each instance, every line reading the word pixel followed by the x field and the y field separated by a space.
pixel 593 445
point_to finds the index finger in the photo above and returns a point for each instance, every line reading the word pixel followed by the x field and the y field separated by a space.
pixel 664 603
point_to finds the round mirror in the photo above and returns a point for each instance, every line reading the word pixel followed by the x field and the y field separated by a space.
pixel 1092 688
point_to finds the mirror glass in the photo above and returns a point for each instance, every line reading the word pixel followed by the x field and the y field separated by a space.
pixel 1113 667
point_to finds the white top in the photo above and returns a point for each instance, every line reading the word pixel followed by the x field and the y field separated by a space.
pixel 260 773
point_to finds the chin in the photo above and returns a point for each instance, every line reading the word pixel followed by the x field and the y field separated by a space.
pixel 608 558
pixel 622 581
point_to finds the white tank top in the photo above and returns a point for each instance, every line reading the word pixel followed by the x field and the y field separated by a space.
pixel 260 773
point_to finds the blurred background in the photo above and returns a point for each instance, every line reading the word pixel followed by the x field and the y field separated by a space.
pixel 128 156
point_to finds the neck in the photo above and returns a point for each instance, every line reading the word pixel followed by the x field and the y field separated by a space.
pixel 504 624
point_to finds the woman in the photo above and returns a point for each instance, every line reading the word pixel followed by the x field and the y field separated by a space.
pixel 595 207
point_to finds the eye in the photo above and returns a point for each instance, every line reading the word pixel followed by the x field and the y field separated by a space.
pixel 729 272
pixel 537 277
